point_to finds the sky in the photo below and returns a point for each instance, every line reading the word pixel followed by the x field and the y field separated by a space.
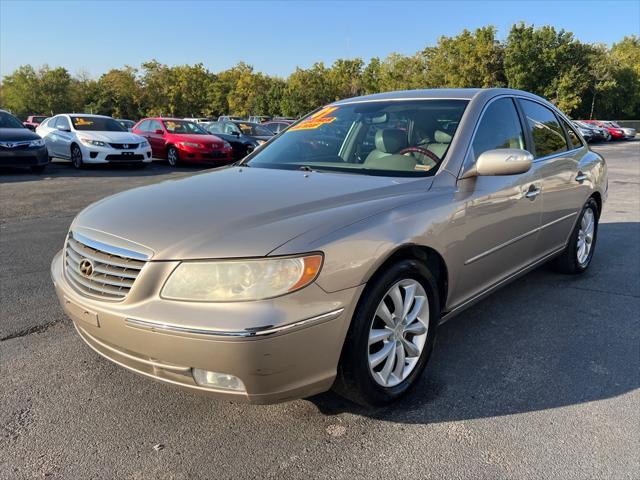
pixel 273 36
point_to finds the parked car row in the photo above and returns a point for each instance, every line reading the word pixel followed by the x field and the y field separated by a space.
pixel 96 139
pixel 600 130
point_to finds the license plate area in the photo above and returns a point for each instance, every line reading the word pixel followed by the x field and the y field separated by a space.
pixel 76 312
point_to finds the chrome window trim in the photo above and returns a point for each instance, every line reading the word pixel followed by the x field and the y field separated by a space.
pixel 513 97
pixel 247 333
pixel 111 249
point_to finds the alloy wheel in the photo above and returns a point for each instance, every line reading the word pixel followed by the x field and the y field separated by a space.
pixel 585 235
pixel 76 157
pixel 398 332
pixel 172 157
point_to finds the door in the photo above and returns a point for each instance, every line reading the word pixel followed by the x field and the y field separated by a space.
pixel 557 155
pixel 156 140
pixel 64 137
pixel 498 216
pixel 49 132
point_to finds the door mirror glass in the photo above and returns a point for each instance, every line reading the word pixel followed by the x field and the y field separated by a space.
pixel 501 161
pixel 159 131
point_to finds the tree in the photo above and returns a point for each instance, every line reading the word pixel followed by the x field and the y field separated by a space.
pixel 119 94
pixel 467 60
pixel 399 72
pixel 345 78
pixel 306 90
pixel 548 63
pixel 371 76
pixel 20 92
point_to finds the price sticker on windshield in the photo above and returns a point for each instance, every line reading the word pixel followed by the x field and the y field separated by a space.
pixel 316 120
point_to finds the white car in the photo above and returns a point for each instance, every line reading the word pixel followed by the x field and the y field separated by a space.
pixel 87 139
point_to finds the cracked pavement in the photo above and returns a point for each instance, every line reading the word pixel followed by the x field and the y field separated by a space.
pixel 540 380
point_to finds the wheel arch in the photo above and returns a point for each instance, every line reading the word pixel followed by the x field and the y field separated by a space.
pixel 429 257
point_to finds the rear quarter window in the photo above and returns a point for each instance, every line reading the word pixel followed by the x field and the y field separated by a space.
pixel 546 132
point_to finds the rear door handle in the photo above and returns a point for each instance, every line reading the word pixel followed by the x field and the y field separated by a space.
pixel 581 177
pixel 533 192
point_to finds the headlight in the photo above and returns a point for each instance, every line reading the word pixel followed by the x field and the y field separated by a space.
pixel 226 145
pixel 241 280
pixel 143 144
pixel 191 144
pixel 37 143
pixel 92 143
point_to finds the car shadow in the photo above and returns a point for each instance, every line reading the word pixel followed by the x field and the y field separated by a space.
pixel 545 341
pixel 64 169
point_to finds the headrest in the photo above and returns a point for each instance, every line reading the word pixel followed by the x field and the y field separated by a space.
pixel 391 140
pixel 442 137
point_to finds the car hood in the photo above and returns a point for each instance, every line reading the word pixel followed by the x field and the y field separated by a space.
pixel 240 211
pixel 17 134
pixel 111 137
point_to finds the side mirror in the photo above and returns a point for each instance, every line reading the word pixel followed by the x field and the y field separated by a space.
pixel 63 129
pixel 237 134
pixel 501 161
pixel 159 132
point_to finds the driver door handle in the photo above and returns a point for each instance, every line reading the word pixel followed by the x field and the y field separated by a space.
pixel 533 192
pixel 581 177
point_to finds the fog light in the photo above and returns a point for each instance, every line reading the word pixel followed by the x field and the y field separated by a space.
pixel 223 381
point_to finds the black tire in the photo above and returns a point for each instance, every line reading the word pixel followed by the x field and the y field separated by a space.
pixel 37 168
pixel 76 157
pixel 355 380
pixel 172 156
pixel 569 262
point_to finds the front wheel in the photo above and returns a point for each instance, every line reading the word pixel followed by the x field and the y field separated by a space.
pixel 76 157
pixel 172 156
pixel 578 253
pixel 391 335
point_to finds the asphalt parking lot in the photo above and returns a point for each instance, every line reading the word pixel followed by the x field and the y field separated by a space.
pixel 538 381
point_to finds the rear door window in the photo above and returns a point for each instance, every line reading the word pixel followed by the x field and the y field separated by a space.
pixel 499 128
pixel 546 132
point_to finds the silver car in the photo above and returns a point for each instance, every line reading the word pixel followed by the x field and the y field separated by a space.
pixel 328 258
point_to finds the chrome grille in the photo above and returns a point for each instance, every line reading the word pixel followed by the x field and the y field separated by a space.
pixel 110 277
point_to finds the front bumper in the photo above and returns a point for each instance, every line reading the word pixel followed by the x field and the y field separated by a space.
pixel 114 155
pixel 281 349
pixel 23 157
pixel 193 154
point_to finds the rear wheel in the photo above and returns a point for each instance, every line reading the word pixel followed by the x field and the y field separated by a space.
pixel 76 157
pixel 391 335
pixel 577 256
pixel 172 156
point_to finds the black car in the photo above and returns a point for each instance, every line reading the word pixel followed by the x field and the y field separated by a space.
pixel 128 124
pixel 19 146
pixel 244 137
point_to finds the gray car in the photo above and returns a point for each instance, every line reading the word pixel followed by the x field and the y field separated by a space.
pixel 328 258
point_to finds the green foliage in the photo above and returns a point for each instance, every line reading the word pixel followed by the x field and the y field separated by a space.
pixel 584 80
pixel 466 61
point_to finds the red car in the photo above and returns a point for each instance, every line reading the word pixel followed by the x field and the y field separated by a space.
pixel 183 141
pixel 33 121
pixel 616 133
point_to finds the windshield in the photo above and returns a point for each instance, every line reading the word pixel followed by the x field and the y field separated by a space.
pixel 9 121
pixel 393 138
pixel 254 129
pixel 182 126
pixel 96 124
pixel 127 123
pixel 215 127
pixel 38 119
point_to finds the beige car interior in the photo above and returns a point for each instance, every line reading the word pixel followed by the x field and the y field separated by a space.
pixel 390 141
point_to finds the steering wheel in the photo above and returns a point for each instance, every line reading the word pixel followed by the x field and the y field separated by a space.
pixel 421 150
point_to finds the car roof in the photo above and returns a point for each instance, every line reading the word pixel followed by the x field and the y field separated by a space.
pixel 435 93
